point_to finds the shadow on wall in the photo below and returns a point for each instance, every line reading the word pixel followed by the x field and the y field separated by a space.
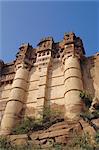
pixel 87 66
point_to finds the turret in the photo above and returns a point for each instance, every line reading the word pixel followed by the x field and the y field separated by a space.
pixel 43 61
pixel 72 51
pixel 18 92
pixel 44 50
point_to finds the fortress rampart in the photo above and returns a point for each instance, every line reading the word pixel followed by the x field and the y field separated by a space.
pixel 49 76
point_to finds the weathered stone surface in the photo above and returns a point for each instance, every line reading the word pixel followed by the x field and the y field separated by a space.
pixel 83 123
pixel 20 136
pixel 43 141
pixel 57 126
pixel 48 144
pixel 44 135
pixel 35 142
pixel 34 136
pixel 96 122
pixel 58 133
pixel 19 142
pixel 61 139
pixel 87 128
pixel 47 138
pixel 19 139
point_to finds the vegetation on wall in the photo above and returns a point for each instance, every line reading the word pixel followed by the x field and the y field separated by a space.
pixel 5 144
pixel 86 98
pixel 87 115
pixel 52 116
pixel 29 124
pixel 79 142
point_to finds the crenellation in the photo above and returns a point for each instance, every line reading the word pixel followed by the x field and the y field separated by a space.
pixel 52 75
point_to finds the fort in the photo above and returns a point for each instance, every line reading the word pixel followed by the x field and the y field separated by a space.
pixel 52 75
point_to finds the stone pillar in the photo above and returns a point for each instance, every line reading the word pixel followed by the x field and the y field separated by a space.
pixel 16 100
pixel 73 86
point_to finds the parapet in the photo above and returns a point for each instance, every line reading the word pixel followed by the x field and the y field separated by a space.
pixel 27 54
pixel 45 43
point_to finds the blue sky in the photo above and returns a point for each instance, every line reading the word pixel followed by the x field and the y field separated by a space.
pixel 29 21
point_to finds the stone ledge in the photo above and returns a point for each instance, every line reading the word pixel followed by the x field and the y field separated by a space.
pixel 21 136
pixel 59 133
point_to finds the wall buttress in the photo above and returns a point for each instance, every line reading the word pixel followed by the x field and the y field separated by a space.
pixel 16 101
pixel 73 87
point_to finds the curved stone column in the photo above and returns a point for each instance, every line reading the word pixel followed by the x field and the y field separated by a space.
pixel 73 86
pixel 16 100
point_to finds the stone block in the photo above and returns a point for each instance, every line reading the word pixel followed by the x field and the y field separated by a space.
pixel 60 139
pixel 43 141
pixel 58 127
pixel 19 142
pixel 19 139
pixel 34 136
pixel 21 136
pixel 44 135
pixel 58 133
pixel 48 144
pixel 87 128
pixel 96 122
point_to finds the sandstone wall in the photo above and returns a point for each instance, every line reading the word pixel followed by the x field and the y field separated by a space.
pixel 90 71
pixel 4 95
pixel 55 88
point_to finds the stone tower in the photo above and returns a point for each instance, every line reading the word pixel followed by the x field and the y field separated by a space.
pixel 43 61
pixel 18 89
pixel 50 76
pixel 72 55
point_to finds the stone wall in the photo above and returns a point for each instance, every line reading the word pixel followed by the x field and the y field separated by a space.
pixel 55 88
pixel 90 71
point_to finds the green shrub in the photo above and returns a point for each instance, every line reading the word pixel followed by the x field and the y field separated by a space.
pixel 87 115
pixel 97 137
pixel 23 127
pixel 86 98
pixel 51 117
pixel 5 144
pixel 58 146
pixel 30 124
pixel 27 124
pixel 23 147
pixel 95 114
pixel 80 142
